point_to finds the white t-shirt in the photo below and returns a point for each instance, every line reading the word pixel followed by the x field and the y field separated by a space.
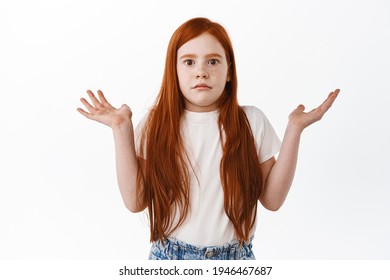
pixel 207 223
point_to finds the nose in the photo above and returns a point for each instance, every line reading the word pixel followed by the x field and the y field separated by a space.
pixel 201 72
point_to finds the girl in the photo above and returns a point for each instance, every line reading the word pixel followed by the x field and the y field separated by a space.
pixel 198 161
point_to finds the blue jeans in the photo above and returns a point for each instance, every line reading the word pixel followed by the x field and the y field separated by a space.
pixel 172 249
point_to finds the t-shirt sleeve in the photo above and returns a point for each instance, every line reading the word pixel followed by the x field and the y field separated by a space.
pixel 267 141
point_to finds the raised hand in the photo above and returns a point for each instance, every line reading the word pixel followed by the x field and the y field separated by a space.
pixel 300 120
pixel 102 111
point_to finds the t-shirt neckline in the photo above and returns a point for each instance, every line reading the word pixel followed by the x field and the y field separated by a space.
pixel 200 116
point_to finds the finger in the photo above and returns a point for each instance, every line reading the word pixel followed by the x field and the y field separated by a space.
pixel 89 107
pixel 84 113
pixel 94 100
pixel 103 100
pixel 329 101
pixel 324 107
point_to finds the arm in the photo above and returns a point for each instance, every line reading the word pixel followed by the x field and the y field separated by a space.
pixel 127 164
pixel 278 175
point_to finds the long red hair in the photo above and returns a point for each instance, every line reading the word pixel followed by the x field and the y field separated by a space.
pixel 166 177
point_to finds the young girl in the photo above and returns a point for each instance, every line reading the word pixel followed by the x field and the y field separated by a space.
pixel 198 161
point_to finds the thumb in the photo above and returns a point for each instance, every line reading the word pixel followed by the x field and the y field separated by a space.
pixel 300 108
pixel 125 107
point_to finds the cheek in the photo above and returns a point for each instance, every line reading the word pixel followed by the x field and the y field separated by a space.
pixel 180 74
pixel 184 80
pixel 221 76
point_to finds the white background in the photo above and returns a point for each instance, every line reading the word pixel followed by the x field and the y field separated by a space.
pixel 58 192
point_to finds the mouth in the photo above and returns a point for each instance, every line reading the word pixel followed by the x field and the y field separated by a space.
pixel 201 86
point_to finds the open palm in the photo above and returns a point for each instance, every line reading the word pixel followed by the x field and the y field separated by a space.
pixel 301 119
pixel 102 111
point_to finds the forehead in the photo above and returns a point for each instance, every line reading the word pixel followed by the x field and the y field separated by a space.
pixel 202 45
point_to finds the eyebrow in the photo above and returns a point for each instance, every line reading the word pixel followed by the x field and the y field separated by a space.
pixel 194 56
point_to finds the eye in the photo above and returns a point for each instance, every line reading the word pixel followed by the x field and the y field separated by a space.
pixel 213 61
pixel 189 62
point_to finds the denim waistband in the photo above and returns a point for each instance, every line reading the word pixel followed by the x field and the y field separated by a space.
pixel 173 249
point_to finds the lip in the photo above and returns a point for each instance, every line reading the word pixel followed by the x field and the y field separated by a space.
pixel 201 86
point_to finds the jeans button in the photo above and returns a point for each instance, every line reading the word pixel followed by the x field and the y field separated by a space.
pixel 209 254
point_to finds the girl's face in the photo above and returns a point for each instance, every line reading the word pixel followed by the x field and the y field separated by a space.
pixel 202 71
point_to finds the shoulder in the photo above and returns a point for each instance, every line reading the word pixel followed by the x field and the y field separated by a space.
pixel 266 139
pixel 254 114
pixel 257 120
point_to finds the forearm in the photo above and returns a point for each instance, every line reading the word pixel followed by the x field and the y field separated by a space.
pixel 127 168
pixel 281 176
